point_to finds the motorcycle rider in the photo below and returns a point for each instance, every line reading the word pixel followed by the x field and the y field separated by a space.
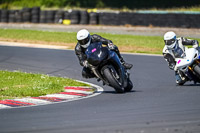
pixel 174 48
pixel 84 40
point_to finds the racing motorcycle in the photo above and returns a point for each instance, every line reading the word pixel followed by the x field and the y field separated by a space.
pixel 189 65
pixel 106 66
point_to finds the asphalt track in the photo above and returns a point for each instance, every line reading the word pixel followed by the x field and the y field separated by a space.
pixel 156 105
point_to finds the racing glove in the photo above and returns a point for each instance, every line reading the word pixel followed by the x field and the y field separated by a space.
pixel 85 63
pixel 111 46
pixel 175 68
pixel 195 44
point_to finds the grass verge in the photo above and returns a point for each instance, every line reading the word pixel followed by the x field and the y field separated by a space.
pixel 126 43
pixel 20 84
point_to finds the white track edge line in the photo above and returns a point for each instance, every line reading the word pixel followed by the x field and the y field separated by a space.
pixel 99 90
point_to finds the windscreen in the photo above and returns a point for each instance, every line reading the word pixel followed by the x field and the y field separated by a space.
pixel 178 52
pixel 96 53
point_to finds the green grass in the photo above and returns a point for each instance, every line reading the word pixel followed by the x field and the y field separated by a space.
pixel 35 35
pixel 137 44
pixel 126 43
pixel 20 84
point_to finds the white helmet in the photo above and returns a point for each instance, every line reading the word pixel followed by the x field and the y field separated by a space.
pixel 170 39
pixel 83 37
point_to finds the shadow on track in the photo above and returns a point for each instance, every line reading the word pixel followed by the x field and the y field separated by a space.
pixel 192 85
pixel 114 92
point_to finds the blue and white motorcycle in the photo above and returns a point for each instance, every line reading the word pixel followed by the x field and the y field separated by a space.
pixel 189 66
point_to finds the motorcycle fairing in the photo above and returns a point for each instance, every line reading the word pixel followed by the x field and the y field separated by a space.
pixel 191 54
pixel 188 59
pixel 96 53
pixel 99 56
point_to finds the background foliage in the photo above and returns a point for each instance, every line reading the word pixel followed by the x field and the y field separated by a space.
pixel 130 4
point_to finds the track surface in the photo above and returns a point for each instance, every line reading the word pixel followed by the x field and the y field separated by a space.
pixel 156 105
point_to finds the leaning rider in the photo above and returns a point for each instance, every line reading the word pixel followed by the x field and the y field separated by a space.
pixel 84 40
pixel 174 48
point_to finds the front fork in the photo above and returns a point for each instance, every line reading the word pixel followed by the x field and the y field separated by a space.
pixel 95 71
pixel 197 62
pixel 98 75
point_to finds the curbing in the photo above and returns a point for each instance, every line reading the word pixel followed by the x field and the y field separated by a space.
pixel 71 93
pixel 31 45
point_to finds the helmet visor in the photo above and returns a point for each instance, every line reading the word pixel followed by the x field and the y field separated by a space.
pixel 84 41
pixel 169 42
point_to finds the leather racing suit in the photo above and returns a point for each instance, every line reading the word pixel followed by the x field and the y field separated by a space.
pixel 80 52
pixel 178 52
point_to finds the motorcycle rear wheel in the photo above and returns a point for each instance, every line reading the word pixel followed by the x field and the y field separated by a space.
pixel 112 80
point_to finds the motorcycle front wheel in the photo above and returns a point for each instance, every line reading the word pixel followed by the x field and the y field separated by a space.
pixel 197 70
pixel 129 87
pixel 110 76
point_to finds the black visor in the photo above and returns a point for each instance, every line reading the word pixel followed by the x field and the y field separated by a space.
pixel 84 41
pixel 169 42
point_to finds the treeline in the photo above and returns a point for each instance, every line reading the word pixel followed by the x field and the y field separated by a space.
pixel 130 4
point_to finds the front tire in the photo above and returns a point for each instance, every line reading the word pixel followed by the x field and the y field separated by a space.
pixel 129 87
pixel 182 80
pixel 197 70
pixel 113 82
pixel 180 83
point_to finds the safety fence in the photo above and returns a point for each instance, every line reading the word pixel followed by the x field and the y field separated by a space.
pixel 162 19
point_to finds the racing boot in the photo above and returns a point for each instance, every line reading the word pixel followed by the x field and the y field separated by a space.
pixel 126 65
pixel 87 73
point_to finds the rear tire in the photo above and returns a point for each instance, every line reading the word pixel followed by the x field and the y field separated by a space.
pixel 112 80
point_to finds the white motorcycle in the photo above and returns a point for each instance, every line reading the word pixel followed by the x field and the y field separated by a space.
pixel 189 66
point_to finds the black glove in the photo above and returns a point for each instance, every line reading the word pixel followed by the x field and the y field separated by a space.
pixel 111 46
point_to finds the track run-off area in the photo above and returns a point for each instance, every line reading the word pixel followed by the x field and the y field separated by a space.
pixel 156 104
